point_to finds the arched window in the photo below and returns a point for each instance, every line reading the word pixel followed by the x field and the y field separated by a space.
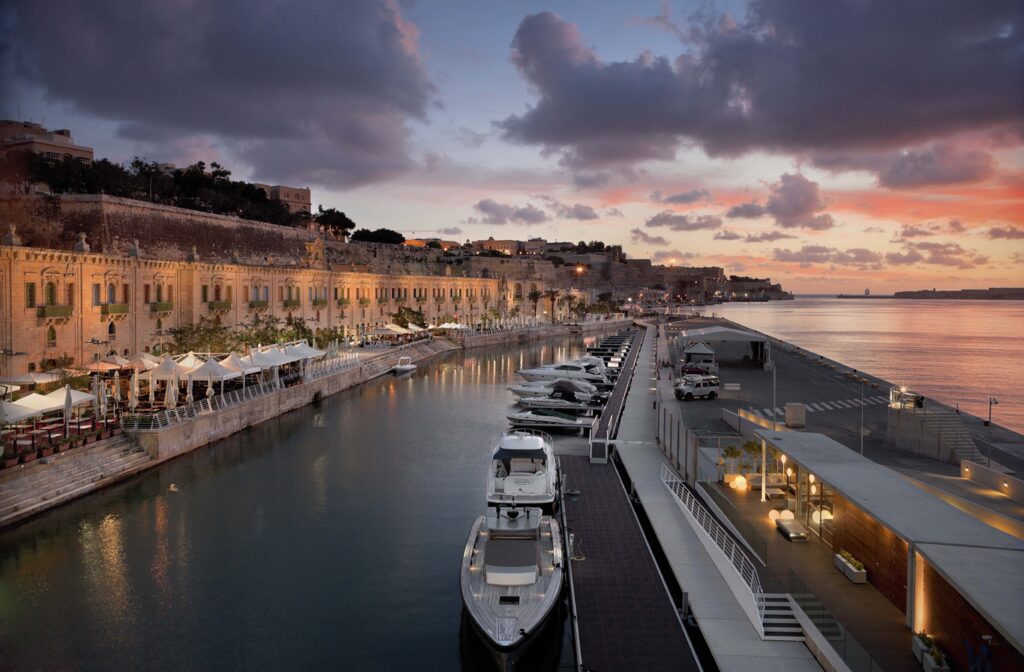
pixel 159 324
pixel 111 293
pixel 112 330
pixel 51 294
pixel 51 337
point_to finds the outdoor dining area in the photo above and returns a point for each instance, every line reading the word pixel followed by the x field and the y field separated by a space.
pixel 125 392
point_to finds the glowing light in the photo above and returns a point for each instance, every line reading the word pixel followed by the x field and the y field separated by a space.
pixel 740 483
pixel 786 515
pixel 783 460
pixel 814 489
pixel 789 471
pixel 810 478
pixel 773 515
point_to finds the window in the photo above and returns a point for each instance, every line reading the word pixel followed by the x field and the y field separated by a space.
pixel 280 293
pixel 96 298
pixel 111 293
pixel 145 294
pixel 51 337
pixel 112 330
pixel 311 293
pixel 170 292
pixel 159 324
pixel 51 294
pixel 229 294
pixel 69 291
pixel 159 293
pixel 266 293
pixel 205 293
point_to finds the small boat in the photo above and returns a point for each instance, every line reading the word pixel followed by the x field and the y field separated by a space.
pixel 572 370
pixel 511 574
pixel 549 419
pixel 523 471
pixel 543 388
pixel 404 365
pixel 564 405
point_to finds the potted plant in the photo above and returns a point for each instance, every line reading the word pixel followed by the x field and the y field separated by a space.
pixel 10 457
pixel 90 437
pixel 935 660
pixel 921 644
pixel 851 567
pixel 44 450
pixel 730 454
pixel 104 434
pixel 27 454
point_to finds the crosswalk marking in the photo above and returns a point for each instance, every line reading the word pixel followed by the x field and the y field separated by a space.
pixel 779 411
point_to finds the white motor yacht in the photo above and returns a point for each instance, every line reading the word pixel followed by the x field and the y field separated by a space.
pixel 404 365
pixel 523 471
pixel 559 404
pixel 572 370
pixel 511 574
pixel 543 388
pixel 543 418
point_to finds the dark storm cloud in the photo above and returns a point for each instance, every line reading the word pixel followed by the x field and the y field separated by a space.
pixel 497 214
pixel 678 222
pixel 310 93
pixel 795 76
pixel 640 236
pixel 795 202
pixel 683 197
pixel 936 164
pixel 450 231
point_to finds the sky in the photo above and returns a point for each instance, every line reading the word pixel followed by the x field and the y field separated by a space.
pixel 833 146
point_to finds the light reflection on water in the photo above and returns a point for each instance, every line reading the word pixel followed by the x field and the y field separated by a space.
pixel 326 539
pixel 955 351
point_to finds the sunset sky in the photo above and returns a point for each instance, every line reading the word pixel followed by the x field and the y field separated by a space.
pixel 831 145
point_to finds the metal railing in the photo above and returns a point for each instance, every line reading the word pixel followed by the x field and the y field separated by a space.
pixel 329 367
pixel 757 543
pixel 733 551
pixel 172 416
pixel 161 306
pixel 54 311
pixel 839 638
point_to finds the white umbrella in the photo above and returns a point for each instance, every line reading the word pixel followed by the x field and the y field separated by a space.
pixel 133 391
pixel 67 407
pixel 188 392
pixel 171 393
pixel 101 367
pixel 209 387
pixel 152 391
pixel 117 387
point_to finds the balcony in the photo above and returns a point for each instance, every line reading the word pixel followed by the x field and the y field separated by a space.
pixel 319 303
pixel 54 311
pixel 161 306
pixel 292 303
pixel 114 309
pixel 219 306
pixel 259 305
pixel 344 303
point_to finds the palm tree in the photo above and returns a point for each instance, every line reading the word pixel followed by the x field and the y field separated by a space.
pixel 535 296
pixel 552 295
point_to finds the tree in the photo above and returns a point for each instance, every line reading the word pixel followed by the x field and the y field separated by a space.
pixel 535 296
pixel 335 221
pixel 552 296
pixel 378 236
pixel 433 244
pixel 406 316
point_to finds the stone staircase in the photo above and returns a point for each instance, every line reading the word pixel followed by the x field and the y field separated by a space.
pixel 951 434
pixel 779 622
pixel 41 484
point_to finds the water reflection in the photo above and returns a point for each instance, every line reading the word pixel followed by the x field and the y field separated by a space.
pixel 314 541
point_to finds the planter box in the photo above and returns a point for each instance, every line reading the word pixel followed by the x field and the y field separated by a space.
pixel 852 573
pixel 9 462
pixel 116 431
pixel 930 666
pixel 104 435
pixel 919 648
pixel 45 452
pixel 90 439
pixel 27 457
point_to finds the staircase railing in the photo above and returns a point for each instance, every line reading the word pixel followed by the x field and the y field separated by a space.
pixel 726 544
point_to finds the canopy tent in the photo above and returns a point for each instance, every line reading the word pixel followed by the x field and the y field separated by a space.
pixel 41 403
pixel 382 331
pixel 101 367
pixel 214 371
pixel 759 343
pixel 9 389
pixel 303 351
pixel 699 348
pixel 14 412
pixel 190 360
pixel 33 378
pixel 167 370
pixel 391 326
pixel 269 358
pixel 78 398
pixel 140 363
pixel 414 328
pixel 235 363
pixel 118 360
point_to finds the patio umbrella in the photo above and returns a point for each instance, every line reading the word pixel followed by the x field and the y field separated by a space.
pixel 101 367
pixel 152 391
pixel 67 407
pixel 171 393
pixel 117 387
pixel 133 392
pixel 118 360
pixel 188 392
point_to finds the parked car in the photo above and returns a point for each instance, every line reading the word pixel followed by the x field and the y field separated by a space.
pixel 692 368
pixel 693 386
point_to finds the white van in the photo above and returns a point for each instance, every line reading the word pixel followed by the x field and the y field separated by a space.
pixel 691 387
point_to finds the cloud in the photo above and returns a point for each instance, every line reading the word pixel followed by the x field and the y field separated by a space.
pixel 794 202
pixel 450 231
pixel 911 231
pixel 677 222
pixel 793 77
pixel 683 197
pixel 937 164
pixel 727 235
pixel 808 255
pixel 640 236
pixel 1006 233
pixel 613 212
pixel 936 254
pixel 746 211
pixel 766 237
pixel 469 138
pixel 497 214
pixel 956 226
pixel 671 257
pixel 313 93
pixel 565 211
pixel 873 229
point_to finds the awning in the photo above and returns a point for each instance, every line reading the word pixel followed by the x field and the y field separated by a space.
pixel 699 348
pixel 235 363
pixel 117 360
pixel 190 361
pixel 211 370
pixel 14 412
pixel 33 378
pixel 167 370
pixel 268 359
pixel 303 351
pixel 77 398
pixel 101 367
pixel 41 403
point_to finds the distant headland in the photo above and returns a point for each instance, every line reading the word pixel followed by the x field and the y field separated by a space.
pixel 990 294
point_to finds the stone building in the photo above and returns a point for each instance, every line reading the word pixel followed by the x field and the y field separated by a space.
pixel 32 137
pixel 109 275
pixel 296 199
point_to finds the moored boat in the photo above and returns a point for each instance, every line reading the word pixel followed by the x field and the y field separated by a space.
pixel 404 365
pixel 523 471
pixel 543 418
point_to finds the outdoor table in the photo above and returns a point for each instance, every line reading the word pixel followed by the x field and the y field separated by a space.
pixel 772 493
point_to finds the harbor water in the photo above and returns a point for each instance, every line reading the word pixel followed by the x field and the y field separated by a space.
pixel 329 538
pixel 959 352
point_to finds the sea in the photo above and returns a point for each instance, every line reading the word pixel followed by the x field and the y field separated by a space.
pixel 958 352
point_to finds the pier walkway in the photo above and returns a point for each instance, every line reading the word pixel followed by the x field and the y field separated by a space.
pixel 626 619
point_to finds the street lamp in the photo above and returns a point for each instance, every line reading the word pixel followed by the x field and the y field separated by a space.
pixel 992 401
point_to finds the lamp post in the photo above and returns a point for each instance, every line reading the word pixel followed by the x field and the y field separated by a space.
pixel 862 418
pixel 992 401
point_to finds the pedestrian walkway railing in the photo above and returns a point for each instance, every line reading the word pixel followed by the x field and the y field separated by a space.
pixel 812 612
pixel 330 366
pixel 733 552
pixel 172 416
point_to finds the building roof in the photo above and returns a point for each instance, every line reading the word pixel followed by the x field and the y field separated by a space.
pixel 721 334
pixel 983 564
